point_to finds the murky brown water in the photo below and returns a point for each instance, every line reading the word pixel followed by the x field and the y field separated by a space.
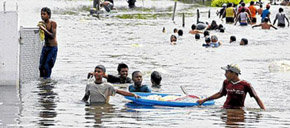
pixel 86 41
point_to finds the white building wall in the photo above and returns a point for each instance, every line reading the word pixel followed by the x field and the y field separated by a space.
pixel 9 50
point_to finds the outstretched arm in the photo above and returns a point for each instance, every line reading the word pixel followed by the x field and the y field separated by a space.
pixel 125 93
pixel 259 102
pixel 214 96
pixel 273 26
pixel 287 20
pixel 256 25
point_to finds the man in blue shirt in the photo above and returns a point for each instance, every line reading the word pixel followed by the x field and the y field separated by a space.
pixel 137 86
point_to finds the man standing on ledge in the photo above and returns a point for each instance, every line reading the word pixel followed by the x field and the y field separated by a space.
pixel 49 50
pixel 235 89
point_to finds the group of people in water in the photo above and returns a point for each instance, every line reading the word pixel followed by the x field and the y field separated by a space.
pixel 242 14
pixel 100 91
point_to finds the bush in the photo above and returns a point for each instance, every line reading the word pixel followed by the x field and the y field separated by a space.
pixel 219 3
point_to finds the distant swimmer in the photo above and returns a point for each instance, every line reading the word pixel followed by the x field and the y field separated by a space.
pixel 233 39
pixel 281 18
pixel 156 79
pixel 214 41
pixel 265 25
pixel 207 42
pixel 99 92
pixel 194 30
pixel 138 86
pixel 244 41
pixel 235 89
pixel 173 40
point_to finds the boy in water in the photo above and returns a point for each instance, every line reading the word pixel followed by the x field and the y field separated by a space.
pixel 122 72
pixel 156 79
pixel 281 18
pixel 265 25
pixel 194 30
pixel 49 50
pixel 99 92
pixel 137 86
pixel 235 89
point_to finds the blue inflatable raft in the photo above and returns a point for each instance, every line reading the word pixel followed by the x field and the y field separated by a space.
pixel 144 101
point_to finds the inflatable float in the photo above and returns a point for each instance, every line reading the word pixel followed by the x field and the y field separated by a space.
pixel 161 99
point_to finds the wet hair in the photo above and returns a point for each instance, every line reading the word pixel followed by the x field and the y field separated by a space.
pixel 135 72
pixel 281 10
pixel 193 26
pixel 261 5
pixel 243 10
pixel 47 10
pixel 120 66
pixel 180 32
pixel 230 5
pixel 245 41
pixel 233 38
pixel 174 30
pixel 220 26
pixel 156 77
pixel 243 4
pixel 207 39
pixel 173 36
pixel 252 3
pixel 222 30
pixel 206 33
pixel 197 36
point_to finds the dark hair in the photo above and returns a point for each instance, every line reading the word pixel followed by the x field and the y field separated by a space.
pixel 252 3
pixel 233 38
pixel 230 5
pixel 261 5
pixel 281 10
pixel 47 10
pixel 222 30
pixel 197 36
pixel 156 77
pixel 243 10
pixel 206 33
pixel 180 32
pixel 245 41
pixel 135 72
pixel 193 26
pixel 174 30
pixel 207 39
pixel 243 4
pixel 121 65
pixel 173 36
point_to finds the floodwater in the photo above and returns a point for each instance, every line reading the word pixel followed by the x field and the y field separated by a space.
pixel 85 41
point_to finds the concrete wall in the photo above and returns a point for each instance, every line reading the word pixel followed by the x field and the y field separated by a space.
pixel 30 50
pixel 9 50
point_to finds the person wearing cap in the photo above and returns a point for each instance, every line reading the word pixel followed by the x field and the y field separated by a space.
pixel 214 41
pixel 122 72
pixel 265 24
pixel 138 86
pixel 266 13
pixel 222 10
pixel 99 92
pixel 235 89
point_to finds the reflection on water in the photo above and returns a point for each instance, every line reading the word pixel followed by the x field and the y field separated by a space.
pixel 46 100
pixel 98 112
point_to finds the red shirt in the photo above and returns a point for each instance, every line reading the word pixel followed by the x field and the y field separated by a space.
pixel 236 93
